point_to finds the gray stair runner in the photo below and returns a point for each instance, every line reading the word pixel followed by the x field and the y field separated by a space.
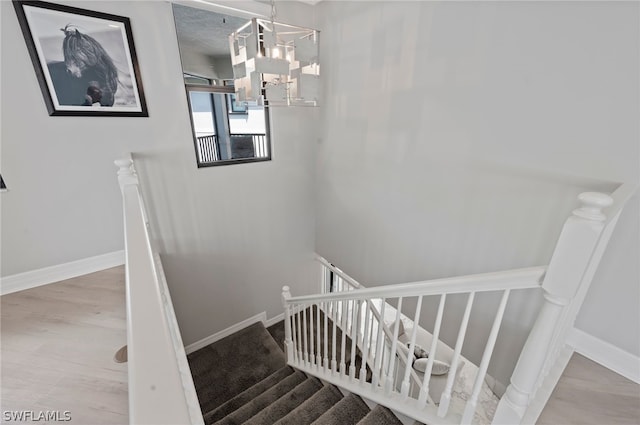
pixel 243 379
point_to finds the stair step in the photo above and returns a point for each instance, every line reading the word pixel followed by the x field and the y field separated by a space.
pixel 277 333
pixel 248 395
pixel 313 407
pixel 245 412
pixel 286 403
pixel 221 370
pixel 347 411
pixel 380 415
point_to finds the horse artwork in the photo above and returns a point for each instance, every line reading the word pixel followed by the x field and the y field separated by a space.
pixel 85 61
pixel 88 75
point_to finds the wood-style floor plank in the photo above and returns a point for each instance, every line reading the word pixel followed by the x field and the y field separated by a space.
pixel 57 348
pixel 590 394
pixel 58 342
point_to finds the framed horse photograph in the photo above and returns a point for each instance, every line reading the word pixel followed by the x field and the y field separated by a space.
pixel 85 61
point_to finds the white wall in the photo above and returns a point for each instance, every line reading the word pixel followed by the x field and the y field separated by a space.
pixel 456 135
pixel 227 232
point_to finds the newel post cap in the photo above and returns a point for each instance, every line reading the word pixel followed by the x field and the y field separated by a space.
pixel 592 204
pixel 126 172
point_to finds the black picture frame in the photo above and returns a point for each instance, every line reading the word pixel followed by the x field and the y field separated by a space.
pixel 103 80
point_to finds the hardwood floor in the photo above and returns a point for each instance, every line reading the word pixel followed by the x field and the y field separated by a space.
pixel 591 394
pixel 58 343
pixel 57 347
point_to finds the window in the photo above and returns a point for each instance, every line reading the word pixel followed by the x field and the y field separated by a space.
pixel 226 132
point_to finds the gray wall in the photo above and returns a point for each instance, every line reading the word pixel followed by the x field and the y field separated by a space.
pixel 227 232
pixel 450 138
pixel 456 135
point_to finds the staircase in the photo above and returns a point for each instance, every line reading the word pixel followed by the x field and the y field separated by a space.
pixel 249 378
pixel 244 379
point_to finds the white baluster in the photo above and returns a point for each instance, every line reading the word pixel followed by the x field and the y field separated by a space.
pixel 312 358
pixel 365 344
pixel 288 343
pixel 424 391
pixel 326 338
pixel 319 337
pixel 354 339
pixel 334 360
pixel 304 335
pixel 379 344
pixel 472 403
pixel 294 316
pixel 570 259
pixel 300 346
pixel 343 345
pixel 412 345
pixel 394 345
pixel 445 399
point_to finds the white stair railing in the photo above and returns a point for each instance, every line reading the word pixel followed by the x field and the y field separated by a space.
pixel 576 257
pixel 161 389
pixel 345 307
pixel 393 382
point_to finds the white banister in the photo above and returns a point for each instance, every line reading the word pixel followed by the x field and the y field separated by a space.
pixel 524 278
pixel 570 260
pixel 371 319
pixel 161 389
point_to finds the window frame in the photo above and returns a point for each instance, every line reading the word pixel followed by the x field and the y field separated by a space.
pixel 226 90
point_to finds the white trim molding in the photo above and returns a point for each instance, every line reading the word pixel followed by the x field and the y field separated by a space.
pixel 51 274
pixel 261 317
pixel 273 320
pixel 606 354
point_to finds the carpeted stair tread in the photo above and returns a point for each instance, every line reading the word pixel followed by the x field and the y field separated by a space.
pixel 380 415
pixel 220 370
pixel 286 403
pixel 313 407
pixel 277 333
pixel 271 395
pixel 347 411
pixel 248 395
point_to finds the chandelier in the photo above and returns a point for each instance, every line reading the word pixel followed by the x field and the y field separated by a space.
pixel 275 64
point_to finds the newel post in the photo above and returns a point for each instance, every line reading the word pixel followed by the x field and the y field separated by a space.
pixel 288 343
pixel 570 259
pixel 126 173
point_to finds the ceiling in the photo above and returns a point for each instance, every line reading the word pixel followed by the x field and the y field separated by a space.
pixel 203 31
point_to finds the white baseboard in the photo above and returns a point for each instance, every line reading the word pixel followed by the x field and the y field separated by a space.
pixel 46 275
pixel 274 320
pixel 262 317
pixel 606 354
